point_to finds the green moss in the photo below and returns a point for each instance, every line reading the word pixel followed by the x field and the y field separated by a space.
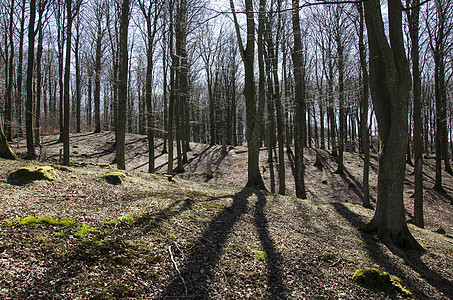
pixel 34 173
pixel 114 177
pixel 62 222
pixel 84 230
pixel 259 255
pixel 381 280
pixel 114 222
pixel 30 220
pixel 59 234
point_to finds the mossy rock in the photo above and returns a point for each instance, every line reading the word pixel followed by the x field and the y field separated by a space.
pixel 381 280
pixel 114 177
pixel 34 173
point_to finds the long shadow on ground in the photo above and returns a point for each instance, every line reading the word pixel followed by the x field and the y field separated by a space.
pixel 195 276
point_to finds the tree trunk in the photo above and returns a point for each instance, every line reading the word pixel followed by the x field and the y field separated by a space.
pixel 299 118
pixel 365 135
pixel 413 17
pixel 67 74
pixel 122 87
pixel 9 87
pixel 253 115
pixel 78 77
pixel 5 149
pixel 341 116
pixel 97 82
pixel 20 70
pixel 390 84
pixel 39 73
pixel 29 101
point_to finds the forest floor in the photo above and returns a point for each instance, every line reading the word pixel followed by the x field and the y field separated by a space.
pixel 196 237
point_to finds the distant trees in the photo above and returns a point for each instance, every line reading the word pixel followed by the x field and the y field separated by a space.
pixel 303 78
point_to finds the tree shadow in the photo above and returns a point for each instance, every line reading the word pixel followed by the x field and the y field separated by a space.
pixel 291 162
pixel 272 176
pixel 275 281
pixel 411 258
pixel 207 251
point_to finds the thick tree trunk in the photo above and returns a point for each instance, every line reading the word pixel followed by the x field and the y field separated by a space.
pixel 5 149
pixel 390 84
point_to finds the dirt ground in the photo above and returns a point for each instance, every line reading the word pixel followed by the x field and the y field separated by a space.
pixel 322 185
pixel 155 238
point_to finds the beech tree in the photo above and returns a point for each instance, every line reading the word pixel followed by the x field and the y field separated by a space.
pixel 122 86
pixel 390 83
pixel 299 119
pixel 253 114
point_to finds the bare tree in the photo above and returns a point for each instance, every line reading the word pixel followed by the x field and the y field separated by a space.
pixel 253 115
pixel 122 86
pixel 31 154
pixel 299 76
pixel 390 82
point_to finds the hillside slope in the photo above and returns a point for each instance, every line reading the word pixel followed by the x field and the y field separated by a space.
pixel 159 238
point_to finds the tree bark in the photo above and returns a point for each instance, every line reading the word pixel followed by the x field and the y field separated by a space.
pixel 253 115
pixel 5 149
pixel 365 135
pixel 390 85
pixel 122 87
pixel 9 87
pixel 413 17
pixel 31 154
pixel 299 118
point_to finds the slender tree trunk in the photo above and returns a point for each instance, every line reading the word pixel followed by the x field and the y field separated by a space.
pixel 78 78
pixel 39 73
pixel 413 17
pixel 122 87
pixel 9 87
pixel 171 104
pixel 299 118
pixel 67 74
pixel 29 101
pixel 341 116
pixel 19 80
pixel 149 103
pixel 97 82
pixel 365 135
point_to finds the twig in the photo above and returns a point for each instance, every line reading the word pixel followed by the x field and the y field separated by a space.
pixel 335 263
pixel 177 270
pixel 179 249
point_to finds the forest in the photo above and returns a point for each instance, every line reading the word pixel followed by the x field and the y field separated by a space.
pixel 242 149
